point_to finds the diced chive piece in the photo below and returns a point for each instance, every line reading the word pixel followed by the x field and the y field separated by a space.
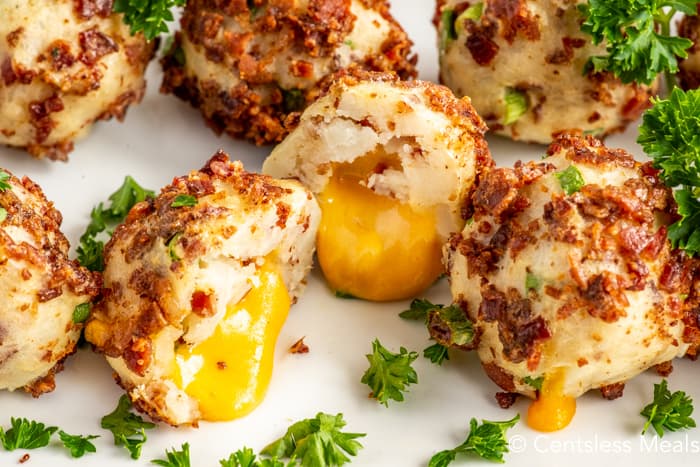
pixel 81 313
pixel 536 383
pixel 570 180
pixel 473 13
pixel 3 214
pixel 447 29
pixel 516 105
pixel 532 282
pixel 171 245
pixel 293 100
pixel 184 201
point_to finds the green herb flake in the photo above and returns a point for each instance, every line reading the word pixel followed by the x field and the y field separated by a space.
pixel 78 445
pixel 171 245
pixel 668 411
pixel 447 29
pixel 532 282
pixel 316 441
pixel 4 177
pixel 293 100
pixel 182 201
pixel 81 313
pixel 487 441
pixel 450 326
pixel 389 374
pixel 418 310
pixel 472 13
pixel 516 104
pixel 571 180
pixel 535 383
pixel 26 434
pixel 3 214
pixel 127 428
pixel 344 295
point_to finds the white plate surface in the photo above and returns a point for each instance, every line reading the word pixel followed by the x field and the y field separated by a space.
pixel 162 138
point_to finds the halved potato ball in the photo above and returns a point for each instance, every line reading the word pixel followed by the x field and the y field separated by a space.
pixel 689 69
pixel 569 277
pixel 40 289
pixel 393 164
pixel 197 284
pixel 63 65
pixel 522 63
pixel 248 65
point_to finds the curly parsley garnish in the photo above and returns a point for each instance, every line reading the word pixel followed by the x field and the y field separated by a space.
pixel 26 434
pixel 78 445
pixel 389 373
pixel 668 411
pixel 637 36
pixel 175 458
pixel 128 429
pixel 670 135
pixel 91 249
pixel 487 440
pixel 245 457
pixel 147 16
pixel 315 441
pixel 4 177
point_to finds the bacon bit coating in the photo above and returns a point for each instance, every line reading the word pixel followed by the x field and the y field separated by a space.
pixel 40 287
pixel 54 85
pixel 170 272
pixel 251 69
pixel 299 347
pixel 689 69
pixel 536 48
pixel 590 288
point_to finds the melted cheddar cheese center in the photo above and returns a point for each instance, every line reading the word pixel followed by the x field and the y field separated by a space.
pixel 552 410
pixel 228 374
pixel 372 246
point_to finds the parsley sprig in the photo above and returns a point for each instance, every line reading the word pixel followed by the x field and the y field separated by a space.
pixel 448 325
pixel 668 411
pixel 389 373
pixel 78 445
pixel 637 36
pixel 487 440
pixel 316 441
pixel 670 135
pixel 91 248
pixel 175 458
pixel 128 429
pixel 147 16
pixel 26 434
pixel 245 457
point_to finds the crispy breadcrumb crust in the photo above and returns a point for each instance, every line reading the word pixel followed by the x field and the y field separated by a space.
pixel 619 258
pixel 52 89
pixel 39 285
pixel 257 105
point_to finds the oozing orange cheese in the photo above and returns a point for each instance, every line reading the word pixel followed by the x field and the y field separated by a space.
pixel 372 246
pixel 228 374
pixel 552 410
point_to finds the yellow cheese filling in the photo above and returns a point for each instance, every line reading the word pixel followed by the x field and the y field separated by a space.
pixel 228 374
pixel 552 410
pixel 372 246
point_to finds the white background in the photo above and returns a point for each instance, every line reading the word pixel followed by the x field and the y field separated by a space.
pixel 162 138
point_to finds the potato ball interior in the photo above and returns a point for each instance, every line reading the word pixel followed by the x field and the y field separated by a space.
pixel 374 246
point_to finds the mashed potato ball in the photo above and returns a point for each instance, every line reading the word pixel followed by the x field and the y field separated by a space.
pixel 40 289
pixel 197 284
pixel 63 65
pixel 569 277
pixel 393 164
pixel 689 69
pixel 248 65
pixel 522 63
